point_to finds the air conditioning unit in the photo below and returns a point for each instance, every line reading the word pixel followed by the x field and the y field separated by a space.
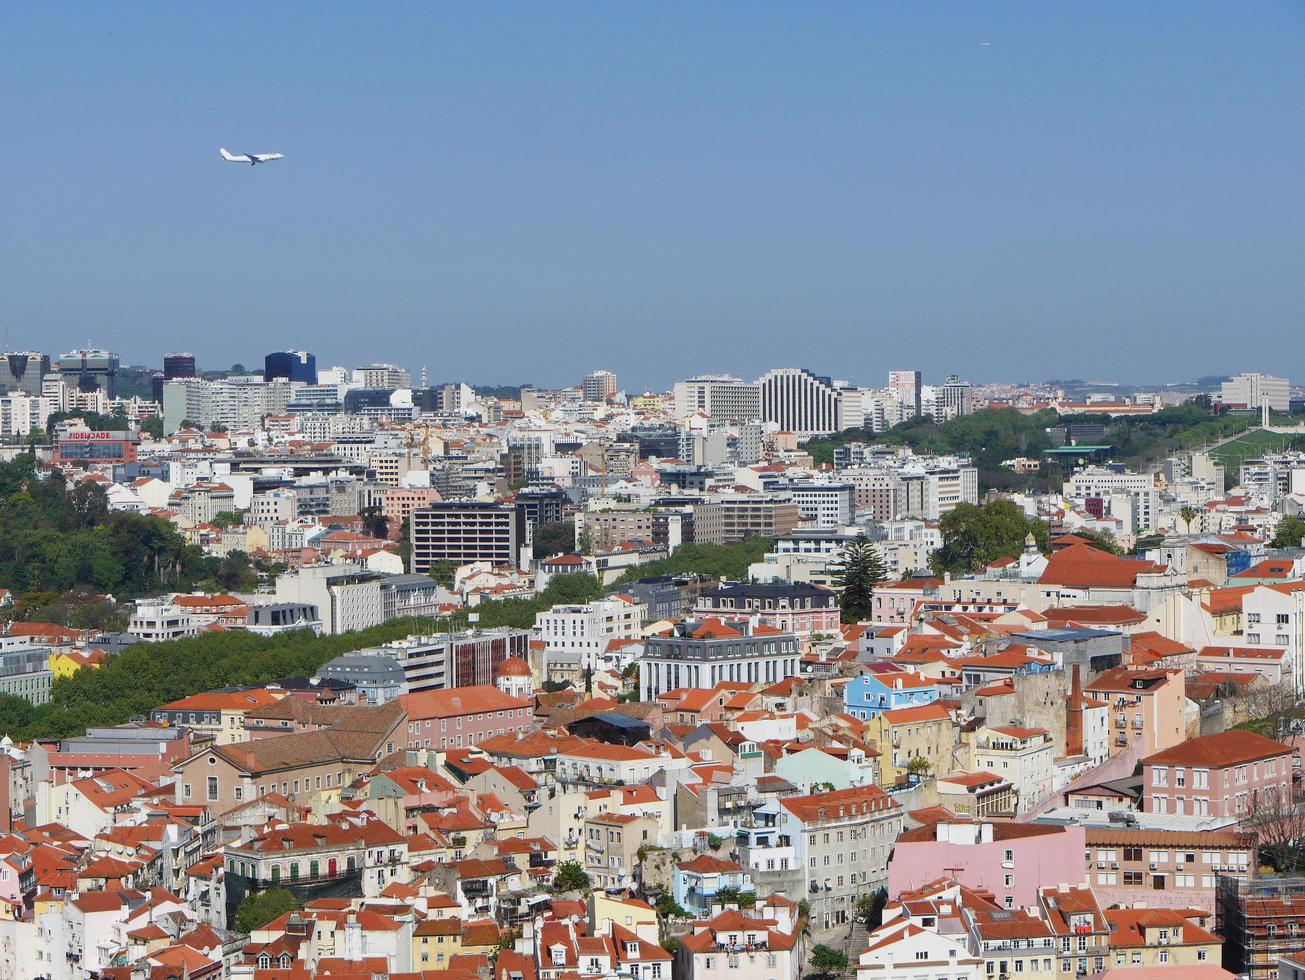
pixel 1114 866
pixel 1152 865
pixel 1178 867
pixel 1100 865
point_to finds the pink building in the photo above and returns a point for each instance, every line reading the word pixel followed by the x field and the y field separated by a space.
pixel 1147 707
pixel 1224 775
pixel 397 503
pixel 895 602
pixel 1010 860
pixel 464 716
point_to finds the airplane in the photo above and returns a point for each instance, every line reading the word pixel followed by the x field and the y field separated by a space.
pixel 250 158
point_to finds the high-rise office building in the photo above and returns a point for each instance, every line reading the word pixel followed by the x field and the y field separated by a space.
pixel 23 371
pixel 463 531
pixel 906 386
pixel 1255 390
pixel 800 402
pixel 722 398
pixel 598 386
pixel 293 365
pixel 176 365
pixel 954 398
pixel 382 376
pixel 91 370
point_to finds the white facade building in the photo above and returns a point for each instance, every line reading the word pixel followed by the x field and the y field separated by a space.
pixel 722 398
pixel 1254 390
pixel 588 629
pixel 800 402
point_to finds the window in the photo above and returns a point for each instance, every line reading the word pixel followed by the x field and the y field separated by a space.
pixel 212 787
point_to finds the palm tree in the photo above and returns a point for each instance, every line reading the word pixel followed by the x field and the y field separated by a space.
pixel 1188 514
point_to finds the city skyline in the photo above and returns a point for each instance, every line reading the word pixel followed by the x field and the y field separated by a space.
pixel 882 182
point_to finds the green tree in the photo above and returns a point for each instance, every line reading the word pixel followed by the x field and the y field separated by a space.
pixel 870 908
pixel 1289 533
pixel 974 535
pixel 1187 513
pixel 152 426
pixel 668 908
pixel 918 766
pixel 257 910
pixel 826 960
pixel 569 876
pixel 857 575
pixel 554 539
pixel 442 572
pixel 226 518
pixel 376 523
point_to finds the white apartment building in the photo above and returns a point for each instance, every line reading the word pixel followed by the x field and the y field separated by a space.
pixel 21 413
pixel 157 620
pixel 1022 756
pixel 1254 390
pixel 587 629
pixel 722 398
pixel 823 505
pixel 953 399
pixel 381 376
pixel 800 402
pixel 833 847
pixel 1098 481
pixel 934 486
pixel 346 597
pixel 1273 616
pixel 236 402
pixel 596 763
pixel 598 386
pixel 905 949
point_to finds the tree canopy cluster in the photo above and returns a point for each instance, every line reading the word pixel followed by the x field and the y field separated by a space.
pixel 974 536
pixel 146 675
pixel 258 909
pixel 994 435
pixel 56 535
pixel 729 561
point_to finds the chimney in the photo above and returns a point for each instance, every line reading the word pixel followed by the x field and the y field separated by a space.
pixel 1074 715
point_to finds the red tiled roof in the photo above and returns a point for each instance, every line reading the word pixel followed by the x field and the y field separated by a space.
pixel 1231 748
pixel 1081 566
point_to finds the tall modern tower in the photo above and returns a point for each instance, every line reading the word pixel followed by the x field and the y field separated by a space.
pixel 800 402
pixel 91 369
pixel 23 371
pixel 598 386
pixel 293 365
pixel 906 386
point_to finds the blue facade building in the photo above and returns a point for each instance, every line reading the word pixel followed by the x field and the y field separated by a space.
pixel 872 694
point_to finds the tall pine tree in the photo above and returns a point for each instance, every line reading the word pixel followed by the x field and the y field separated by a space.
pixel 858 573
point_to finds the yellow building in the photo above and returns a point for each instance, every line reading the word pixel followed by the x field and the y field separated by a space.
pixel 904 734
pixel 1162 937
pixel 65 663
pixel 435 942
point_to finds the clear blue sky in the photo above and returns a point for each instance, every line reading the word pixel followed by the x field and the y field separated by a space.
pixel 513 192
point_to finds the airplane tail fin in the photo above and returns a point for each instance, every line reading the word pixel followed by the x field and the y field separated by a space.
pixel 227 155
